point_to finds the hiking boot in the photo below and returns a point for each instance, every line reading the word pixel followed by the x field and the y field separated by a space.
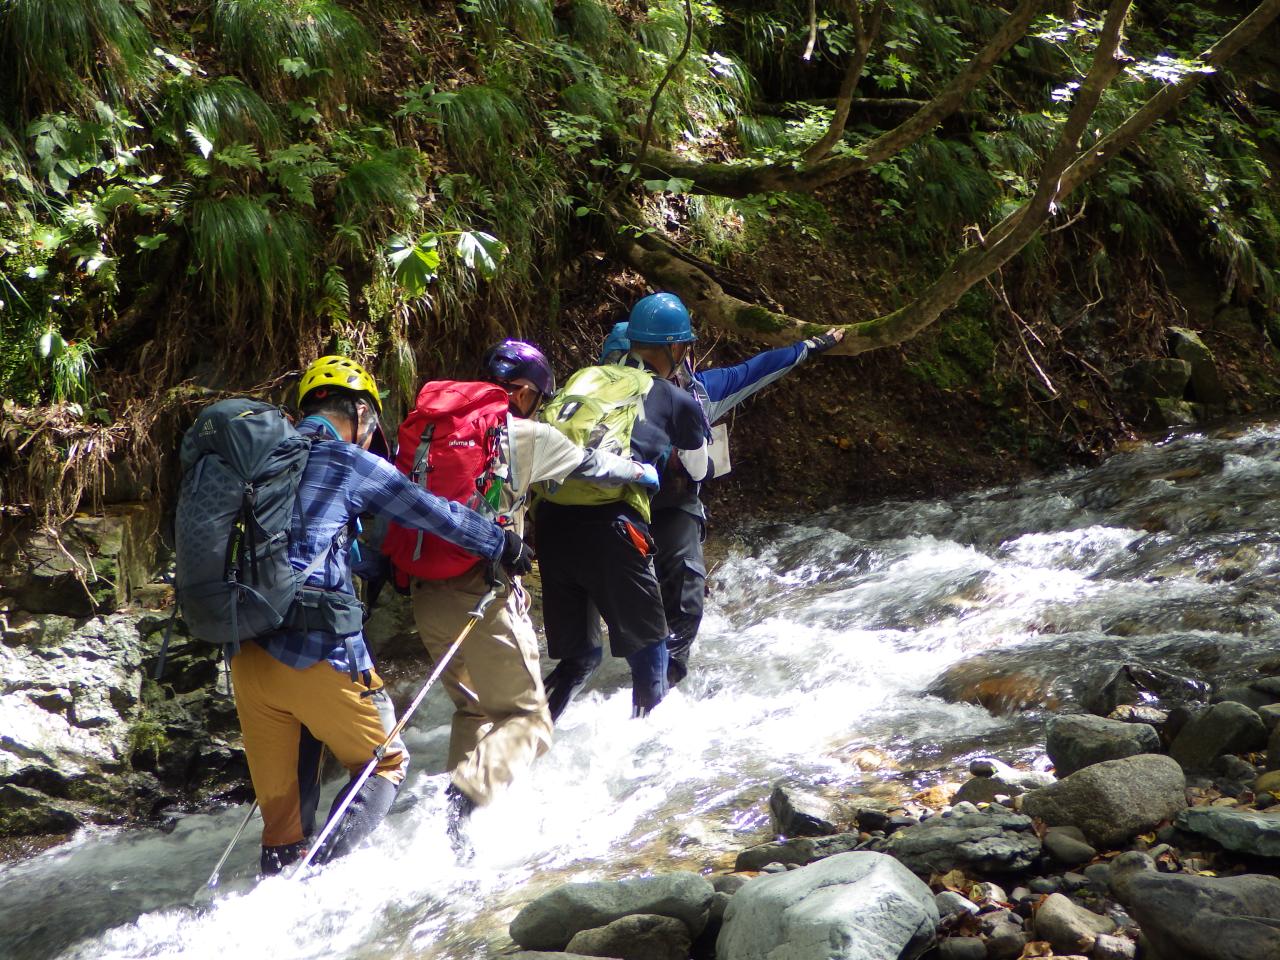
pixel 568 677
pixel 457 814
pixel 276 859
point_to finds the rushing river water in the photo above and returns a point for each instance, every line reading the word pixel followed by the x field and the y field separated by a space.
pixel 823 639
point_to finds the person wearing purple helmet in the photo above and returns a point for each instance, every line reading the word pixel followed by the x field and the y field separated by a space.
pixel 501 723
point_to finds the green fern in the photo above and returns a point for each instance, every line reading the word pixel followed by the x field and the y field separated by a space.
pixel 482 126
pixel 253 261
pixel 529 20
pixel 592 24
pixel 380 193
pixel 68 52
pixel 296 169
pixel 284 45
pixel 224 109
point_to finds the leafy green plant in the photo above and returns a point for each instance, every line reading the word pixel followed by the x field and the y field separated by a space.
pixel 252 260
pixel 224 109
pixel 313 45
pixel 415 263
pixel 70 52
pixel 380 193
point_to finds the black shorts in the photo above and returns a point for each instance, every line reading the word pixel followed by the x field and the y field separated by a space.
pixel 602 556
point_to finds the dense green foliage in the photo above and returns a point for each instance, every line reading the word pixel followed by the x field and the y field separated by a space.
pixel 246 182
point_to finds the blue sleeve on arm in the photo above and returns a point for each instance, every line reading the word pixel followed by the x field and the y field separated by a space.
pixel 728 386
pixel 380 488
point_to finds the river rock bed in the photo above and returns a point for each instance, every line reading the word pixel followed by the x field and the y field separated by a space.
pixel 1133 853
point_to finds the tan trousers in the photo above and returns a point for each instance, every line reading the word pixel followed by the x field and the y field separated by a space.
pixel 501 723
pixel 274 701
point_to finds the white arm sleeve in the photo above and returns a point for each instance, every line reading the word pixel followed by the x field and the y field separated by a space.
pixel 696 462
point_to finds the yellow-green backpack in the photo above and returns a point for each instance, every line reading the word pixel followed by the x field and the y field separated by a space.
pixel 597 409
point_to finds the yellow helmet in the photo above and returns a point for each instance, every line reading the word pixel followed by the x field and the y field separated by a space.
pixel 341 372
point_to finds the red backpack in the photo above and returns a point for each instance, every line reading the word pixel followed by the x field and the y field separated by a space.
pixel 449 445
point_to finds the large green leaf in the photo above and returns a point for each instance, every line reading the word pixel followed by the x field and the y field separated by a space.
pixel 414 263
pixel 481 252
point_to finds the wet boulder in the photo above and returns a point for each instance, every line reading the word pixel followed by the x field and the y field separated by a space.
pixel 1245 831
pixel 552 920
pixel 1076 741
pixel 798 810
pixel 1226 727
pixel 72 697
pixel 995 841
pixel 1167 413
pixel 636 937
pixel 1270 715
pixel 1133 684
pixel 853 906
pixel 1002 682
pixel 1114 800
pixel 1186 917
pixel 1068 927
pixel 1273 750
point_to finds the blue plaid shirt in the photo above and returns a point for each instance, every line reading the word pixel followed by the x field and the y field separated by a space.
pixel 340 482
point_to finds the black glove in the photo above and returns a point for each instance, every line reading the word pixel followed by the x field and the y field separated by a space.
pixel 823 341
pixel 517 556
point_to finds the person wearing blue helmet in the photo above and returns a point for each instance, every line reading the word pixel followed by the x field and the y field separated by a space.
pixel 601 557
pixel 679 518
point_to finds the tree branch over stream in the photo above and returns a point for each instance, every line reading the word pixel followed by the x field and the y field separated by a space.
pixel 1067 166
pixel 742 180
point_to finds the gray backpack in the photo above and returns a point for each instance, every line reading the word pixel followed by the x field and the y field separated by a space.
pixel 242 461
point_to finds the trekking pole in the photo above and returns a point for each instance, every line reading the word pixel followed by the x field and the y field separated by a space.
pixel 212 882
pixel 474 617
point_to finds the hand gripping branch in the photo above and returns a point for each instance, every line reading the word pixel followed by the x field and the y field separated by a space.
pixel 474 617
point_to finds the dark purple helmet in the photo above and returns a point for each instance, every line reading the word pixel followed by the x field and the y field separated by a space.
pixel 515 360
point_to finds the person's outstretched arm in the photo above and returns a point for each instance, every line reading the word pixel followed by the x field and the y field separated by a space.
pixel 727 387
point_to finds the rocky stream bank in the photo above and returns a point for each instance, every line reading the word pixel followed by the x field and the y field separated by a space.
pixel 1158 839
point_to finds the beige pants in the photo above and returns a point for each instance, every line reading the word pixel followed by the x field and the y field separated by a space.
pixel 500 724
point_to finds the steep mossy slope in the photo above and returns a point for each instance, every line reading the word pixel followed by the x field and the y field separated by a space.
pixel 200 198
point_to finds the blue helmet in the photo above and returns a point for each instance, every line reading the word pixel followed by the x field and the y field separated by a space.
pixel 615 342
pixel 660 318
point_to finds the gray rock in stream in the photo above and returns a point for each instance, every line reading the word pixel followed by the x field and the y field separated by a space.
pixel 1245 831
pixel 996 841
pixel 1076 741
pixel 1187 917
pixel 1068 927
pixel 852 906
pixel 1114 800
pixel 1067 845
pixel 798 810
pixel 636 937
pixel 1226 727
pixel 1206 385
pixel 552 920
pixel 800 851
pixel 1273 750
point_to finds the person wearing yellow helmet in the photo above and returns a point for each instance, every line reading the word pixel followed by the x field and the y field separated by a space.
pixel 313 680
pixel 341 382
